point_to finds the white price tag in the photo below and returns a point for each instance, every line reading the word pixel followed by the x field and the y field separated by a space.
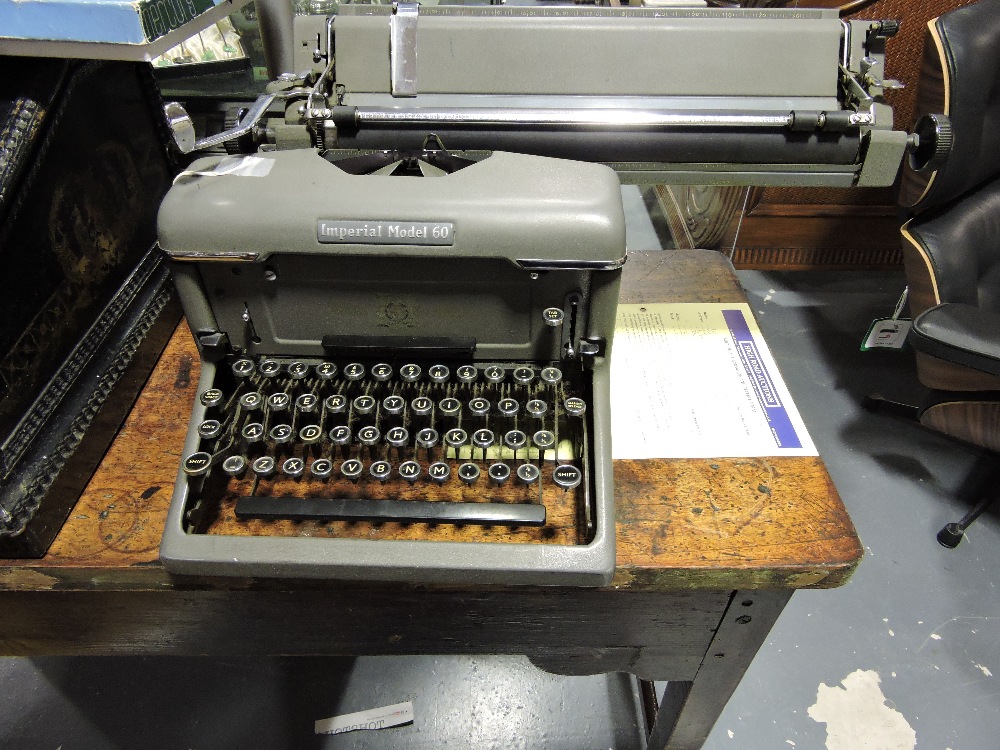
pixel 375 718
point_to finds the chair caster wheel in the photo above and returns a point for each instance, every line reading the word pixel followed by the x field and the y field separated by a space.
pixel 951 535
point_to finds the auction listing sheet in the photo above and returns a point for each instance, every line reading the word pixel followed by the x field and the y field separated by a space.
pixel 698 381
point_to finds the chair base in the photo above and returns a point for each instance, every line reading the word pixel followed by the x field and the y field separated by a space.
pixel 941 417
pixel 953 533
pixel 876 403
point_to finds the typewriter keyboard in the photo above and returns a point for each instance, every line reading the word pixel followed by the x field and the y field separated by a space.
pixel 393 450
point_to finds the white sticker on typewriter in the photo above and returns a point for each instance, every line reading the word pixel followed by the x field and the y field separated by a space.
pixel 698 381
pixel 234 166
pixel 375 718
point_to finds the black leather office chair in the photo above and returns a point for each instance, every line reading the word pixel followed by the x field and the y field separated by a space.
pixel 951 245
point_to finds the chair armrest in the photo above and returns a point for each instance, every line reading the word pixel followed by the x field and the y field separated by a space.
pixel 963 334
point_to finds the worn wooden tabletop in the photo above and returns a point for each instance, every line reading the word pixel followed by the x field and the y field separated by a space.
pixel 727 523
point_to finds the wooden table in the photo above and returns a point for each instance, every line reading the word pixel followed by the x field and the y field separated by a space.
pixel 709 551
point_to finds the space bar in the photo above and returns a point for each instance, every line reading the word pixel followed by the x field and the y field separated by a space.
pixel 404 511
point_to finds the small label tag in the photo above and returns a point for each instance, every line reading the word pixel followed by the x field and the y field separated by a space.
pixel 378 232
pixel 886 333
pixel 375 718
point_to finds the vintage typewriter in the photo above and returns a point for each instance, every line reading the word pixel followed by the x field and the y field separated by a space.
pixel 406 366
pixel 405 306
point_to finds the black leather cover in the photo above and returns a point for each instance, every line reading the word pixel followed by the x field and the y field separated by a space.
pixel 962 242
pixel 961 334
pixel 83 166
pixel 970 38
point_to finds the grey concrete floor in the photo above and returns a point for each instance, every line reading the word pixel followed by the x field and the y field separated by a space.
pixel 908 651
pixel 919 621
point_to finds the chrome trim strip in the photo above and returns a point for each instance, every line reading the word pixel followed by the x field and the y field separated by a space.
pixel 589 118
pixel 571 265
pixel 201 256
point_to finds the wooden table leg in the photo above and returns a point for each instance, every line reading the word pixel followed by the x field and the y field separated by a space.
pixel 689 710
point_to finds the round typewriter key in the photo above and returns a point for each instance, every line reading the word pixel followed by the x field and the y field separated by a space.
pixel 351 468
pixel 210 428
pixel 515 440
pixel 393 405
pixel 397 437
pixel 553 316
pixel 493 374
pixel 499 472
pixel 523 375
pixel 298 370
pixel 551 375
pixel 335 404
pixel 567 476
pixel 421 406
pixel 278 401
pixel 483 438
pixel 410 373
pixel 243 367
pixel 575 407
pixel 263 466
pixel 380 470
pixel 369 435
pixel 253 432
pixel 536 408
pixel 450 407
pixel 456 438
pixel 382 372
pixel 468 472
pixel 438 373
pixel 234 466
pixel 251 401
pixel 293 467
pixel 326 371
pixel 211 397
pixel 543 439
pixel 269 368
pixel 467 374
pixel 427 437
pixel 528 473
pixel 363 405
pixel 480 407
pixel 508 407
pixel 354 371
pixel 310 434
pixel 321 468
pixel 307 402
pixel 197 464
pixel 340 435
pixel 439 472
pixel 410 471
pixel 281 433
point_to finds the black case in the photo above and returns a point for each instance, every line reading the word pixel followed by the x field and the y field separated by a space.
pixel 86 305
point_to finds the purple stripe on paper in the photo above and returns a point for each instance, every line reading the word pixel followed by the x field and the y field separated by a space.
pixel 761 380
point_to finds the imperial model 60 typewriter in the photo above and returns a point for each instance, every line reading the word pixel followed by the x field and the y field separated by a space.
pixel 405 372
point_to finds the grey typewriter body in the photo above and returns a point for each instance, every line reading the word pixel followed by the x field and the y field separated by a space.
pixel 404 377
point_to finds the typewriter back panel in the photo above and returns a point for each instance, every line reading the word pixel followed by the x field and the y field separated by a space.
pixel 288 305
